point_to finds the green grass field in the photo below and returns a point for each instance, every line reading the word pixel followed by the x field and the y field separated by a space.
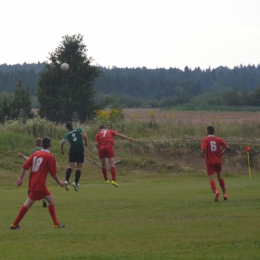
pixel 147 217
pixel 164 207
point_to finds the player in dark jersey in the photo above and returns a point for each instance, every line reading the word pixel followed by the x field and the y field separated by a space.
pixel 38 144
pixel 77 139
pixel 213 148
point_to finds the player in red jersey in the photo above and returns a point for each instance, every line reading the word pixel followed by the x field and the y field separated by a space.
pixel 212 149
pixel 104 142
pixel 38 144
pixel 40 163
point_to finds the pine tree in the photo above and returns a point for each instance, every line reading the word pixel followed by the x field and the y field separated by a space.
pixel 64 95
pixel 21 102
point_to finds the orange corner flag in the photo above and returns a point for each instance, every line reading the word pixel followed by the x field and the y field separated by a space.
pixel 247 149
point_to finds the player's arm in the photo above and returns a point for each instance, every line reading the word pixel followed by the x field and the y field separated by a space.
pixel 96 141
pixel 224 150
pixel 56 178
pixel 20 179
pixel 85 138
pixel 97 144
pixel 203 149
pixel 62 146
pixel 203 153
pixel 124 137
pixel 53 171
pixel 21 155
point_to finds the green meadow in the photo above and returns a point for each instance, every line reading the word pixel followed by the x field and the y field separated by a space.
pixel 163 209
pixel 152 217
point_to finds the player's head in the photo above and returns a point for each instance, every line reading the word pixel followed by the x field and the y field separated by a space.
pixel 101 127
pixel 210 130
pixel 46 142
pixel 38 142
pixel 69 126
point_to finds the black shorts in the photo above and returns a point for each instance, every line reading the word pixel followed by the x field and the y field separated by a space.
pixel 76 154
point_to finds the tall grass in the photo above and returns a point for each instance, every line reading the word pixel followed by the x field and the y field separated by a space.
pixel 162 145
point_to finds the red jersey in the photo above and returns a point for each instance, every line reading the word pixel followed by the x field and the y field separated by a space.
pixel 212 147
pixel 41 163
pixel 105 137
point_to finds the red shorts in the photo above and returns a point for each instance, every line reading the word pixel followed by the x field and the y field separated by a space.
pixel 212 168
pixel 106 151
pixel 38 195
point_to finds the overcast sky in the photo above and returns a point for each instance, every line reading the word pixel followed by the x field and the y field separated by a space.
pixel 136 33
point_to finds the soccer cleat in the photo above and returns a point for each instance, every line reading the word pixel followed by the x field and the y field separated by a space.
pixel 114 183
pixel 76 186
pixel 14 227
pixel 44 203
pixel 60 226
pixel 225 196
pixel 216 196
pixel 67 187
pixel 107 181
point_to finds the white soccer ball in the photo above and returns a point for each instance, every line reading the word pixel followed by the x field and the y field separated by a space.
pixel 64 66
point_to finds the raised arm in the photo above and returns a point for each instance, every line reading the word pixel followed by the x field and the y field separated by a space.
pixel 21 155
pixel 124 137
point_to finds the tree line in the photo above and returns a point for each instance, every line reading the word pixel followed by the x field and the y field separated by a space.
pixel 145 83
pixel 85 88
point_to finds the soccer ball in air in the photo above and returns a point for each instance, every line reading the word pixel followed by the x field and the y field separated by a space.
pixel 64 66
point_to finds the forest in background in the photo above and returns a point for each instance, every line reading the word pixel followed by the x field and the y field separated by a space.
pixel 143 87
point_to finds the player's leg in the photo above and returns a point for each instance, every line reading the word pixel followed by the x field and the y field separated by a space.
pixel 78 154
pixel 222 184
pixel 68 174
pixel 52 211
pixel 211 172
pixel 104 169
pixel 70 167
pixel 75 184
pixel 111 160
pixel 44 202
pixel 102 153
pixel 23 210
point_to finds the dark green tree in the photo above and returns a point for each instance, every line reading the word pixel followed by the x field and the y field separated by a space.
pixel 231 97
pixel 5 107
pixel 16 105
pixel 21 102
pixel 64 95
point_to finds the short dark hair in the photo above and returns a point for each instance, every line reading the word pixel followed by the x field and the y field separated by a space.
pixel 69 126
pixel 102 127
pixel 38 142
pixel 46 142
pixel 211 130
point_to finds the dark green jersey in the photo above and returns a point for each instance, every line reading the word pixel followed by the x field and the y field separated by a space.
pixel 36 149
pixel 74 137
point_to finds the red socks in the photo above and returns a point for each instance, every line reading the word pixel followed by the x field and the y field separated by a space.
pixel 24 209
pixel 53 215
pixel 104 171
pixel 113 173
pixel 213 185
pixel 21 214
pixel 222 185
